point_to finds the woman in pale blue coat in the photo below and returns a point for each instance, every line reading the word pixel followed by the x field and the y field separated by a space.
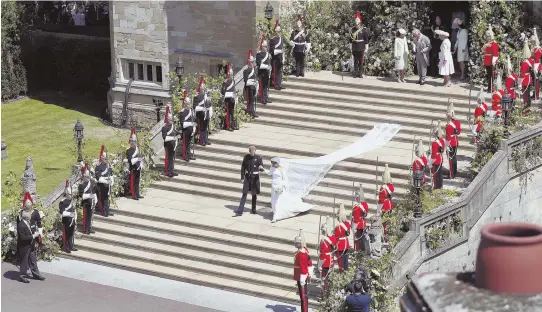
pixel 400 52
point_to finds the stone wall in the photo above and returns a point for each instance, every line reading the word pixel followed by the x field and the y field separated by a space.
pixel 509 206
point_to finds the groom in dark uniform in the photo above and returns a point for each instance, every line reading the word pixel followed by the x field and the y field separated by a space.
pixel 250 176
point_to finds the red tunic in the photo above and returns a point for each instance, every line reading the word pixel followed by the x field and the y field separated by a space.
pixel 326 251
pixel 525 66
pixel 497 97
pixel 419 164
pixel 437 148
pixel 479 125
pixel 384 197
pixel 342 231
pixel 480 110
pixel 537 54
pixel 359 212
pixel 510 83
pixel 526 79
pixel 453 129
pixel 491 49
pixel 301 263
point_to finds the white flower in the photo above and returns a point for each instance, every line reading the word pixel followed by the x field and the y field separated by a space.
pixel 12 228
pixel 335 35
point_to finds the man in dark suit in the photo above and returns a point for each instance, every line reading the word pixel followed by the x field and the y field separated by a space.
pixel 359 301
pixel 26 243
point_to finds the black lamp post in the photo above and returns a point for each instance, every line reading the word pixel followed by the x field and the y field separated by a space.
pixel 78 136
pixel 179 69
pixel 507 106
pixel 158 106
pixel 268 11
pixel 417 183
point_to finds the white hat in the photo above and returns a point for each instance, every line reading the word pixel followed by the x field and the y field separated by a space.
pixel 386 176
pixel 401 31
pixel 275 160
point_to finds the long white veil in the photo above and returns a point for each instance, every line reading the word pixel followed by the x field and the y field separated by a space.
pixel 303 175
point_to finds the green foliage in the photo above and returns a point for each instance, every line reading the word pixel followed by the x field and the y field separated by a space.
pixel 214 85
pixel 490 142
pixel 442 231
pixel 436 198
pixel 13 70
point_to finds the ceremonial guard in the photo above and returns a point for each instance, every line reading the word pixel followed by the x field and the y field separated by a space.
pixel 511 81
pixel 360 44
pixel 385 203
pixel 87 193
pixel 188 120
pixel 250 177
pixel 496 102
pixel 491 55
pixel 302 262
pixel 263 61
pixel 477 128
pixel 69 219
pixel 482 108
pixel 420 163
pixel 536 56
pixel 342 233
pixel 104 176
pixel 453 130
pixel 169 134
pixel 230 100
pixel 302 45
pixel 251 84
pixel 359 213
pixel 526 66
pixel 437 149
pixel 328 243
pixel 204 112
pixel 276 48
pixel 135 162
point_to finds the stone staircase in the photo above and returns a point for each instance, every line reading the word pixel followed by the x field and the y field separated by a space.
pixel 183 229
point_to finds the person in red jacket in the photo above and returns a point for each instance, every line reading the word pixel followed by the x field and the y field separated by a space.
pixel 359 213
pixel 385 204
pixel 453 129
pixel 496 102
pixel 420 163
pixel 536 56
pixel 511 81
pixel 481 109
pixel 477 128
pixel 437 149
pixel 328 244
pixel 525 67
pixel 342 233
pixel 491 55
pixel 302 262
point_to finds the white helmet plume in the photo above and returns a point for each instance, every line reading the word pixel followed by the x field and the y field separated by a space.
pixel 341 215
pixel 419 148
pixel 386 176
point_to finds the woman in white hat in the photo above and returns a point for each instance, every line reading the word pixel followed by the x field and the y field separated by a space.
pixel 461 46
pixel 401 54
pixel 446 64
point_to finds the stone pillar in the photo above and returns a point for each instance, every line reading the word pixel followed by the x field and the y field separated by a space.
pixel 4 151
pixel 28 180
pixel 376 232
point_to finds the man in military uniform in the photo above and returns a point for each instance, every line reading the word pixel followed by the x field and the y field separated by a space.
pixel 250 177
pixel 276 49
pixel 342 233
pixel 437 148
pixel 491 55
pixel 420 163
pixel 169 134
pixel 104 176
pixel 302 262
pixel 359 213
pixel 453 129
pixel 230 100
pixel 69 219
pixel 135 162
pixel 204 112
pixel 302 45
pixel 188 120
pixel 250 78
pixel 360 44
pixel 88 199
pixel 263 61
pixel 328 244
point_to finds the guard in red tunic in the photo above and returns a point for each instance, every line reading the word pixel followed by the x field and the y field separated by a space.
pixel 482 107
pixel 536 56
pixel 511 81
pixel 491 55
pixel 477 128
pixel 525 76
pixel 359 213
pixel 496 102
pixel 420 163
pixel 328 244
pixel 385 203
pixel 302 262
pixel 453 129
pixel 342 233
pixel 437 149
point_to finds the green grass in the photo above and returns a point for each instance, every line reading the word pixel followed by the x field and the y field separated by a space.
pixel 45 132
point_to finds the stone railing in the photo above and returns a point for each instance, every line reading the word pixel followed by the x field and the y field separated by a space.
pixel 458 218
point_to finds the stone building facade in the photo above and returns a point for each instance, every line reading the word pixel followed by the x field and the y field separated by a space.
pixel 148 37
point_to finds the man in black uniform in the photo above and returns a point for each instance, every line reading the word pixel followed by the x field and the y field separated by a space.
pixel 135 161
pixel 204 112
pixel 88 199
pixel 302 45
pixel 251 84
pixel 188 120
pixel 104 176
pixel 360 44
pixel 29 258
pixel 276 49
pixel 69 219
pixel 230 100
pixel 263 61
pixel 169 134
pixel 250 176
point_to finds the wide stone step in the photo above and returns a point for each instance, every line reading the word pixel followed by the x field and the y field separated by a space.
pixel 391 87
pixel 352 108
pixel 149 266
pixel 166 244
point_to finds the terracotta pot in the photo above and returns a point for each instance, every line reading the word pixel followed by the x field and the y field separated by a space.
pixel 509 258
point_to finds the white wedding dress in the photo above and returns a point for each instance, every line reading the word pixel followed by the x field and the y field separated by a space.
pixel 284 203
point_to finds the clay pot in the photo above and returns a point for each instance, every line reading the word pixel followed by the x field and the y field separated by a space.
pixel 509 258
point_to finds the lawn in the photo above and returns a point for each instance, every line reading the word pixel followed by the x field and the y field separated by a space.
pixel 45 132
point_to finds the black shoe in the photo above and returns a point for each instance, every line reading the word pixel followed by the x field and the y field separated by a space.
pixel 422 83
pixel 140 197
pixel 23 280
pixel 192 158
pixel 111 214
pixel 302 75
pixel 269 102
pixel 255 116
pixel 92 232
pixel 361 76
pixel 170 175
pixel 237 215
pixel 67 251
pixel 253 212
pixel 208 143
pixel 38 277
pixel 136 198
pixel 175 174
pixel 75 249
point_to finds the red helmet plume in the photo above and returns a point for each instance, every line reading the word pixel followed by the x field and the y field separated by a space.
pixel 262 40
pixel 276 24
pixel 299 19
pixel 358 16
pixel 132 134
pixel 27 197
pixel 249 57
pixel 166 116
pixel 201 81
pixel 101 153
pixel 185 95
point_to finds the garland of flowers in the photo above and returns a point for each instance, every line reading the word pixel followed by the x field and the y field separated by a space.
pixel 441 231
